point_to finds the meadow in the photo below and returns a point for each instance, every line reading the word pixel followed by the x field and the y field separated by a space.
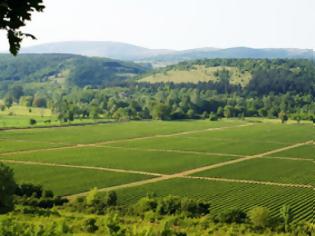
pixel 231 163
pixel 19 117
pixel 199 73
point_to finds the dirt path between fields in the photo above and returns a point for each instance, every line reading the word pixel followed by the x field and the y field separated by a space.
pixel 251 182
pixel 81 167
pixel 246 158
pixel 172 151
pixel 74 146
pixel 185 174
pixel 212 154
pixel 291 158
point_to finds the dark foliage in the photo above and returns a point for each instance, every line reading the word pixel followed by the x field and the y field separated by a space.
pixel 13 16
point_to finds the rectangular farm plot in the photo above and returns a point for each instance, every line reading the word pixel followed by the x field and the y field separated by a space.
pixel 303 152
pixel 265 169
pixel 224 195
pixel 263 133
pixel 111 131
pixel 188 143
pixel 149 161
pixel 23 145
pixel 67 181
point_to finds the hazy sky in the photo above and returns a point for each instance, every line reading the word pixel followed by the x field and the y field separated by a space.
pixel 178 24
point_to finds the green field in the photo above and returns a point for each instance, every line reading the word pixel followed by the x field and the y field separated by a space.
pixel 238 141
pixel 198 74
pixel 69 161
pixel 23 145
pixel 158 162
pixel 307 151
pixel 66 181
pixel 23 111
pixel 110 132
pixel 277 170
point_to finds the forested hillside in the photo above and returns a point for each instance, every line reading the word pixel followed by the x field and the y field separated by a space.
pixel 64 69
pixel 256 76
pixel 76 87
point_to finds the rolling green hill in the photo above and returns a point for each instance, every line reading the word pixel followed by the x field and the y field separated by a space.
pixel 259 75
pixel 64 69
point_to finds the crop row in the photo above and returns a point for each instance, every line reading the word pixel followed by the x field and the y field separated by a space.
pixel 230 195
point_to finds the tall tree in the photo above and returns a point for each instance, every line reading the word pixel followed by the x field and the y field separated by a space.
pixel 7 188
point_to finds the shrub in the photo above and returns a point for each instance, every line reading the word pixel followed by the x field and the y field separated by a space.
pixel 259 216
pixel 95 202
pixel 89 225
pixel 145 204
pixel 193 208
pixel 32 122
pixel 29 190
pixel 213 117
pixel 169 205
pixel 232 216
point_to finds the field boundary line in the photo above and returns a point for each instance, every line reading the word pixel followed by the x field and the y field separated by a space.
pixel 185 174
pixel 246 181
pixel 246 158
pixel 74 146
pixel 238 140
pixel 171 151
pixel 291 158
pixel 173 134
pixel 129 185
pixel 30 141
pixel 82 167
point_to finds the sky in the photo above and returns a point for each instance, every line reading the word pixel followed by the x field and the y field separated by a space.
pixel 177 24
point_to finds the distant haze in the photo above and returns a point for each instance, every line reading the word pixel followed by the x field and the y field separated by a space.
pixel 123 51
pixel 177 24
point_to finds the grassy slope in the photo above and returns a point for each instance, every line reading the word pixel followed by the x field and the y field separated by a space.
pixel 199 74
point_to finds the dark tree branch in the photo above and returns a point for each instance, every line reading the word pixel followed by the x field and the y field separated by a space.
pixel 13 16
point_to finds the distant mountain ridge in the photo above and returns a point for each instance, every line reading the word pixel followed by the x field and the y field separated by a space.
pixel 114 50
pixel 129 52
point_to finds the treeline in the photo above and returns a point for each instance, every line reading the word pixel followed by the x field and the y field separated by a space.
pixel 170 103
pixel 167 102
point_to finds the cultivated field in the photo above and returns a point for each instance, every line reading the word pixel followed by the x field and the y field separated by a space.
pixel 232 163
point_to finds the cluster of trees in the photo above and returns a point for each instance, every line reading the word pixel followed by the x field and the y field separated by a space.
pixel 24 194
pixel 278 88
pixel 16 95
pixel 171 103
